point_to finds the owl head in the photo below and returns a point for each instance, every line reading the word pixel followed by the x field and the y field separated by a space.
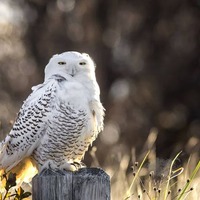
pixel 70 64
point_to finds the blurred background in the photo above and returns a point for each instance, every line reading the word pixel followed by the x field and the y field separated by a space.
pixel 148 66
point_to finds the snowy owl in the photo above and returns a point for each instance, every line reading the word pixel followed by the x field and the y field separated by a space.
pixel 60 118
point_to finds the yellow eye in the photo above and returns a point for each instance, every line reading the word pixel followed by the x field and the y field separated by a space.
pixel 61 63
pixel 82 63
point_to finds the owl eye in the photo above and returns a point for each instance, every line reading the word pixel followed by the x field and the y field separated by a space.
pixel 82 63
pixel 61 63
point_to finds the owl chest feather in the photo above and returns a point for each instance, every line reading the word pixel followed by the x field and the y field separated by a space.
pixel 69 129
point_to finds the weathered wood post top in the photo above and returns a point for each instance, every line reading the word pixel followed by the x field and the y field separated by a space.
pixel 84 184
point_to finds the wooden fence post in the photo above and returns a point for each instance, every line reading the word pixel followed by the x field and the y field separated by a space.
pixel 84 184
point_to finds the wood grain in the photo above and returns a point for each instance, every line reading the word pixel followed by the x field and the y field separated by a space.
pixel 85 184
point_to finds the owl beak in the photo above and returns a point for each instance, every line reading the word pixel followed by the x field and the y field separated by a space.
pixel 73 72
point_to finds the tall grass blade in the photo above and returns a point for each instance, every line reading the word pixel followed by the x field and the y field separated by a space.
pixel 128 193
pixel 190 180
pixel 169 176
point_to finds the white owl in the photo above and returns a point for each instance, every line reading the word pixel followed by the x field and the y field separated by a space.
pixel 60 118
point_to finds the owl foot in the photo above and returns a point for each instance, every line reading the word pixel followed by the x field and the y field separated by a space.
pixel 68 167
pixel 50 164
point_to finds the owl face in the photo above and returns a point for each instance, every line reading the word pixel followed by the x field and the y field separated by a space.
pixel 71 64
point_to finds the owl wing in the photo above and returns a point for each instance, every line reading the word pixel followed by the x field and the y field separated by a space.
pixel 29 126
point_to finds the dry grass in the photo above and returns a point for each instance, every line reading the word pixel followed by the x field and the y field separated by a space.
pixel 155 179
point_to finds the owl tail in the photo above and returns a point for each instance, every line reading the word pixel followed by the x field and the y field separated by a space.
pixel 24 168
pixel 7 162
pixel 3 146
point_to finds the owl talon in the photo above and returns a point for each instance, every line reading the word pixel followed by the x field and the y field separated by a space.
pixel 79 165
